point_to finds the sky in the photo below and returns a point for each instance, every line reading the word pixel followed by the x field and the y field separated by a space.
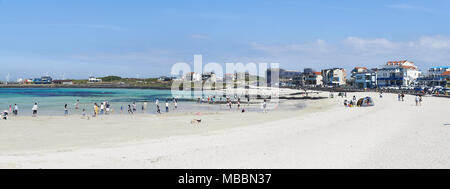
pixel 134 38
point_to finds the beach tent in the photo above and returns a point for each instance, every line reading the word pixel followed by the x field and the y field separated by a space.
pixel 364 102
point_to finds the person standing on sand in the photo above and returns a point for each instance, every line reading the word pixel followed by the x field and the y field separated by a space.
pixel 95 109
pixel 66 111
pixel 158 110
pixel 239 105
pixel 176 104
pixel 167 106
pixel 108 108
pixel 83 114
pixel 16 110
pixel 417 100
pixel 102 107
pixel 35 109
pixel 264 106
pixel 403 96
pixel 77 104
pixel 399 96
pixel 130 111
pixel 420 100
pixel 134 106
pixel 10 109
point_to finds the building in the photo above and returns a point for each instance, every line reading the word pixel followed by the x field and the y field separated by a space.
pixel 435 77
pixel 334 77
pixel 285 77
pixel 313 79
pixel 165 78
pixel 193 76
pixel 353 73
pixel 94 80
pixel 43 80
pixel 63 82
pixel 398 73
pixel 365 79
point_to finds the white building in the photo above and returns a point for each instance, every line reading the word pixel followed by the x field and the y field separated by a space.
pixel 193 76
pixel 334 76
pixel 94 80
pixel 398 73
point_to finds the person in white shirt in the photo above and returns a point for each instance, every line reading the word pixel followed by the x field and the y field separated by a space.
pixel 35 109
pixel 167 106
pixel 16 110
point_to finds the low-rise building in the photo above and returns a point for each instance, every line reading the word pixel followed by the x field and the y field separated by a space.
pixel 43 80
pixel 334 77
pixel 94 80
pixel 165 78
pixel 193 76
pixel 63 82
pixel 365 79
pixel 398 73
pixel 313 79
pixel 435 77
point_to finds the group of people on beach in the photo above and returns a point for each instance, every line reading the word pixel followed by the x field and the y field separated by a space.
pixel 350 103
pixel 12 110
pixel 418 98
pixel 175 104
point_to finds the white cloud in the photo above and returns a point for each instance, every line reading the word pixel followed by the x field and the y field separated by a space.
pixel 426 51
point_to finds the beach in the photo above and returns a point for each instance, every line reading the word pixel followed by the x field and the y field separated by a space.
pixel 324 134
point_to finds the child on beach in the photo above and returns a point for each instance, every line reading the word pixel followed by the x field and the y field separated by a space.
pixel 83 114
pixel 176 104
pixel 35 109
pixel 157 109
pixel 420 100
pixel 167 106
pixel 66 111
pixel 102 108
pixel 16 110
pixel 95 109
pixel 77 104
pixel 264 106
pixel 130 111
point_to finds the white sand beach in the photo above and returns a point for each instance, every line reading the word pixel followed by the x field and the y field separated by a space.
pixel 325 134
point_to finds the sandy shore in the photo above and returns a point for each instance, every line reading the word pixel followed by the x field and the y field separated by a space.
pixel 325 134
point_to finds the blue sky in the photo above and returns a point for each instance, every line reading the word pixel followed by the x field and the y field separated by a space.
pixel 145 38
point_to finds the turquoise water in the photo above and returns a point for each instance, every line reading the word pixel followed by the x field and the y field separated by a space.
pixel 52 101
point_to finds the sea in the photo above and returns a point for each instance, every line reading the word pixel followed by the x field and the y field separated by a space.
pixel 51 101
